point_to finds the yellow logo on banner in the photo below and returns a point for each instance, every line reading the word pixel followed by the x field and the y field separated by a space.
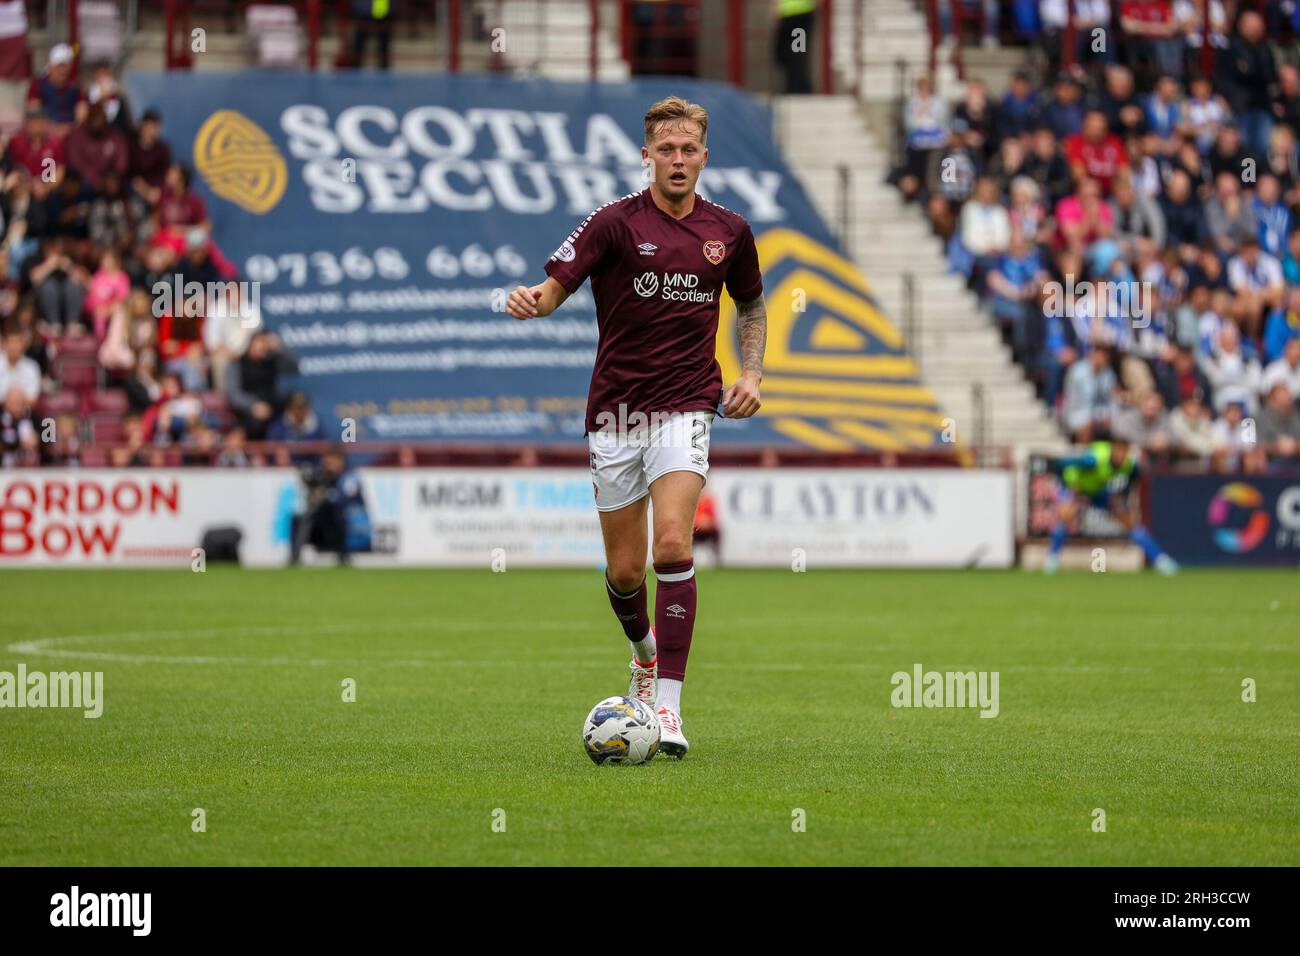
pixel 239 162
pixel 822 384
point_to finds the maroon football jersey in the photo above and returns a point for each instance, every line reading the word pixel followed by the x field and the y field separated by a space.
pixel 657 283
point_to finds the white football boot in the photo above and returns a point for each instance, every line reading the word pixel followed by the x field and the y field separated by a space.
pixel 644 685
pixel 1166 565
pixel 671 741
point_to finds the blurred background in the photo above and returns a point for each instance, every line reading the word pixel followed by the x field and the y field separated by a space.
pixel 254 255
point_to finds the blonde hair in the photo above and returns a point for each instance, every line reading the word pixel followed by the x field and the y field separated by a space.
pixel 675 108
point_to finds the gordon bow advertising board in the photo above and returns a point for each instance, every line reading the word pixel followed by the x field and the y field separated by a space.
pixel 500 518
pixel 142 517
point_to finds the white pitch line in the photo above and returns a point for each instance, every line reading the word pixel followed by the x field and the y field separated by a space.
pixel 57 647
pixel 73 646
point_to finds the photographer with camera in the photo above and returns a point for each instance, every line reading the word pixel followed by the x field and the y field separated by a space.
pixel 336 518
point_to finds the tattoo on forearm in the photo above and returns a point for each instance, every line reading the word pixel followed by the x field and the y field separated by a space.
pixel 751 331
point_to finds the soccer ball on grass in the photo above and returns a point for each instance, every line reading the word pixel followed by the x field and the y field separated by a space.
pixel 621 730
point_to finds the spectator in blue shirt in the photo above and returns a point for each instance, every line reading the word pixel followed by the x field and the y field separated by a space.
pixel 1164 112
pixel 926 122
pixel 1020 107
pixel 1090 387
pixel 1014 281
pixel 1273 216
pixel 57 92
pixel 1063 114
pixel 1291 259
pixel 1282 326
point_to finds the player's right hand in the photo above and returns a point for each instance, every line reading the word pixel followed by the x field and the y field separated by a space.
pixel 522 303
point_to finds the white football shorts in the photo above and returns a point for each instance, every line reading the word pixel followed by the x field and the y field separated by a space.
pixel 623 465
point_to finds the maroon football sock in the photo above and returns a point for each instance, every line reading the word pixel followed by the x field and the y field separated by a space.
pixel 674 616
pixel 630 609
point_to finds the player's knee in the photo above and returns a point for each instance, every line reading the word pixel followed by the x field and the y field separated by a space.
pixel 672 546
pixel 625 576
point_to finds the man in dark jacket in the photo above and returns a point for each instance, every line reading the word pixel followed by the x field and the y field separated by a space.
pixel 1251 74
pixel 1180 377
pixel 336 518
pixel 1184 218
pixel 255 384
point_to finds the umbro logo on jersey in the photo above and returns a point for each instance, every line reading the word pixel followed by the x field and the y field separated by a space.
pixel 647 248
pixel 714 250
pixel 647 285
pixel 565 253
pixel 676 610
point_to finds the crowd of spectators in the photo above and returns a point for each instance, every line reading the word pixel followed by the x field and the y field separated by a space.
pixel 96 368
pixel 1133 227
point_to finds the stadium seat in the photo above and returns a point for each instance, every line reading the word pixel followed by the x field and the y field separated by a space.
pixel 106 401
pixel 79 373
pixel 94 458
pixel 101 35
pixel 274 34
pixel 60 403
pixel 76 345
pixel 104 409
pixel 106 429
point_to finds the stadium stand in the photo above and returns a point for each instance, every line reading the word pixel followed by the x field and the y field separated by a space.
pixel 961 358
pixel 1156 175
pixel 81 251
pixel 1020 109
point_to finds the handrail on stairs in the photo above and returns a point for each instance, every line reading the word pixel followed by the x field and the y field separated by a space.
pixel 911 320
pixel 980 410
pixel 897 151
pixel 843 197
pixel 857 48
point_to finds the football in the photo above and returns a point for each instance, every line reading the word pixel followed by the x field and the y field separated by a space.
pixel 621 730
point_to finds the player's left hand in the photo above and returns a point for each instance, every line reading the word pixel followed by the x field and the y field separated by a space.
pixel 741 400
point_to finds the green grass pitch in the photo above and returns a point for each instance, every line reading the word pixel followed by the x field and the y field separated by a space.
pixel 223 692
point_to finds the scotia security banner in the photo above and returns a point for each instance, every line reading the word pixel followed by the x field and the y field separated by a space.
pixel 384 217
